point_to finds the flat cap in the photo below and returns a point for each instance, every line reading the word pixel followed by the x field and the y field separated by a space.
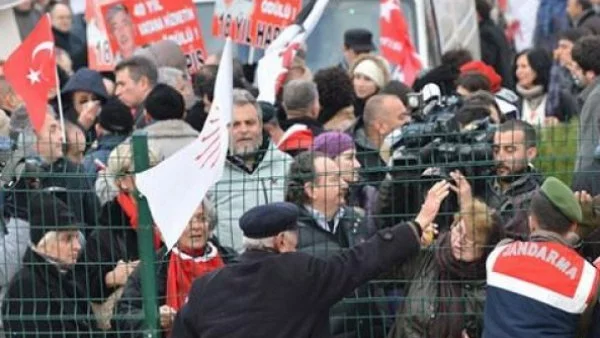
pixel 561 196
pixel 268 220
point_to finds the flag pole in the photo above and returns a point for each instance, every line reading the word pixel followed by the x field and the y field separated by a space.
pixel 60 108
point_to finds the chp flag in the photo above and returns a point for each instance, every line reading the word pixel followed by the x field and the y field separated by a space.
pixel 176 187
pixel 31 71
pixel 395 43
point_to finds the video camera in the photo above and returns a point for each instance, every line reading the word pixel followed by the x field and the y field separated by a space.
pixel 433 146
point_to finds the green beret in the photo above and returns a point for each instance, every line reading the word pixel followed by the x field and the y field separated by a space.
pixel 561 196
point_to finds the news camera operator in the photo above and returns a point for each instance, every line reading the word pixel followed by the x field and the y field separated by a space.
pixel 450 136
pixel 445 136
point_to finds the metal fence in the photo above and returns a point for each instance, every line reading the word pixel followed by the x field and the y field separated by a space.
pixel 43 296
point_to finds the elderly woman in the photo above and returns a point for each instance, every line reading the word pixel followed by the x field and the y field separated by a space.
pixel 369 74
pixel 111 252
pixel 445 287
pixel 340 148
pixel 194 255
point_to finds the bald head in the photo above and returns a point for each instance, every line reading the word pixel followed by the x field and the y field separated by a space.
pixel 383 113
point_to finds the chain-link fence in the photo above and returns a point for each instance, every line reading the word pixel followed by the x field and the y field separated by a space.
pixel 81 257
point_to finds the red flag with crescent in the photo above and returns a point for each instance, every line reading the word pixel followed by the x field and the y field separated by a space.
pixel 31 70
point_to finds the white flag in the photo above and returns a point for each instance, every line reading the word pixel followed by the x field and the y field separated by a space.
pixel 176 187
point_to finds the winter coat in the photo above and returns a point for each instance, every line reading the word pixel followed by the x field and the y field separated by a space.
pixel 165 137
pixel 169 136
pixel 299 135
pixel 315 241
pixel 364 196
pixel 286 295
pixel 588 126
pixel 130 304
pixel 26 21
pixel 101 151
pixel 78 195
pixel 13 245
pixel 539 288
pixel 43 301
pixel 114 239
pixel 373 168
pixel 516 197
pixel 240 189
pixel 495 51
pixel 419 308
pixel 551 19
pixel 84 80
pixel 588 20
pixel 72 45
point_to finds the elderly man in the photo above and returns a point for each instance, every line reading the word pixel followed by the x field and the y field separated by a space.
pixel 42 298
pixel 276 292
pixel 254 173
pixel 301 104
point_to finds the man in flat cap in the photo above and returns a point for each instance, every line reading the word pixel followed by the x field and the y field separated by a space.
pixel 276 292
pixel 542 287
pixel 357 41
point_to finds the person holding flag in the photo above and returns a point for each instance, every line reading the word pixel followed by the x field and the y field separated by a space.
pixel 32 73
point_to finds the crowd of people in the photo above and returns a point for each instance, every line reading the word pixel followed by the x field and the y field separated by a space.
pixel 328 147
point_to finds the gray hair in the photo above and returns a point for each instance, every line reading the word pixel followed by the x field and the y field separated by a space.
pixel 170 76
pixel 258 244
pixel 300 95
pixel 211 213
pixel 242 97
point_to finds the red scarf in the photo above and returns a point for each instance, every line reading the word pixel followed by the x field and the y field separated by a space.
pixel 129 206
pixel 184 269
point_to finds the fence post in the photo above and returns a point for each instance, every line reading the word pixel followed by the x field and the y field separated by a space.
pixel 146 240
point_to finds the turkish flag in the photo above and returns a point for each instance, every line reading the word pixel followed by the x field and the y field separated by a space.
pixel 31 70
pixel 395 42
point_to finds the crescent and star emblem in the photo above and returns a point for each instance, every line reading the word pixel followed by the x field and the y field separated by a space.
pixel 34 75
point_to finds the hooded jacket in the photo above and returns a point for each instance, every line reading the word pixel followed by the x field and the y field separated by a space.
pixel 84 80
pixel 240 189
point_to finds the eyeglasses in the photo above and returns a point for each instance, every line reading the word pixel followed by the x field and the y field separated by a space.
pixel 199 219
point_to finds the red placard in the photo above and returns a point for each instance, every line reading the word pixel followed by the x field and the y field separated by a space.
pixel 253 22
pixel 122 26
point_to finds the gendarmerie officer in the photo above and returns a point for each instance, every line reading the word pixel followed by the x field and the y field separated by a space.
pixel 276 292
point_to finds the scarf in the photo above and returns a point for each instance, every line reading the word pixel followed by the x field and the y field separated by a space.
pixel 534 95
pixel 130 209
pixel 184 269
pixel 453 273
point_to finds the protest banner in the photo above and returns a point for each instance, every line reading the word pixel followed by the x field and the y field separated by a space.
pixel 122 26
pixel 253 22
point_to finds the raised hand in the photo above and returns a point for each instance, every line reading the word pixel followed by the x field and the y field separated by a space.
pixel 433 201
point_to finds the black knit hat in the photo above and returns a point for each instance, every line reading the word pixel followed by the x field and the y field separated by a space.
pixel 49 213
pixel 116 117
pixel 164 103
